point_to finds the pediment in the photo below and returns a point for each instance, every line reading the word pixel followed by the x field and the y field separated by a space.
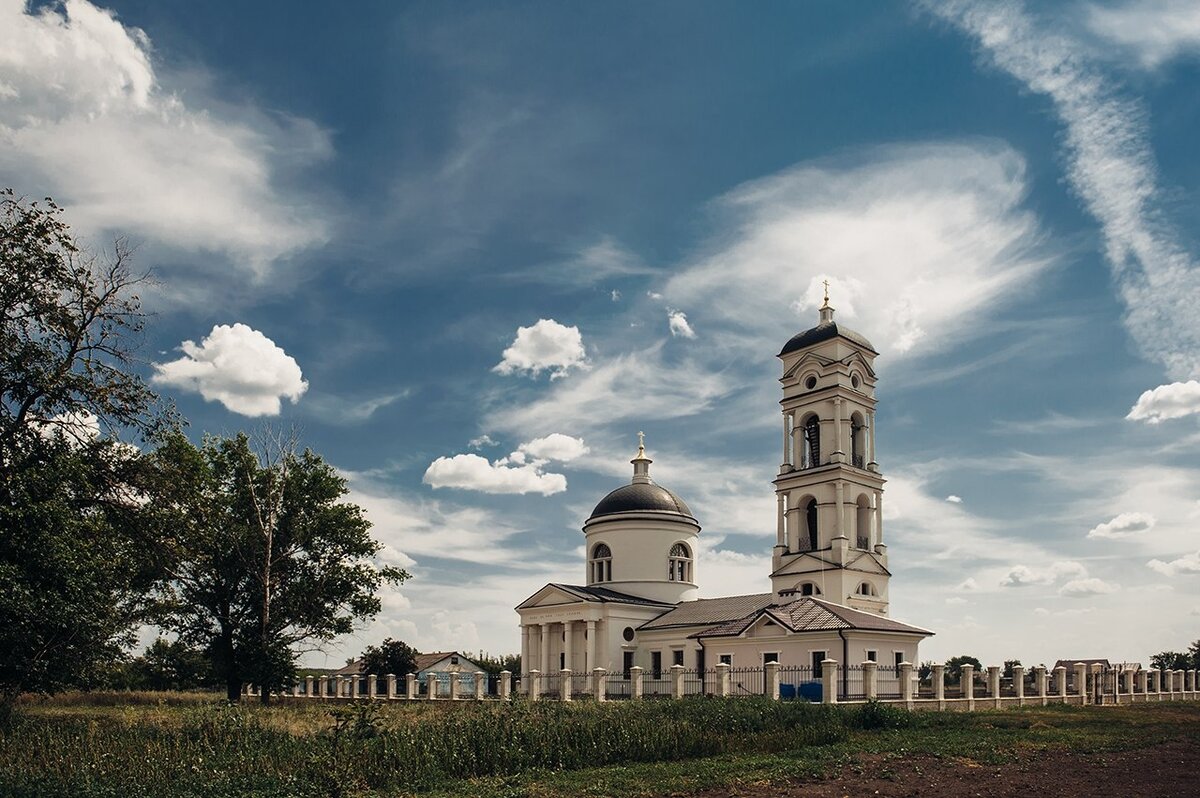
pixel 857 359
pixel 550 596
pixel 867 563
pixel 805 563
pixel 809 358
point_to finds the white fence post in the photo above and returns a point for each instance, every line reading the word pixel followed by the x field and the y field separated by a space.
pixel 938 675
pixel 635 682
pixel 355 684
pixel 535 684
pixel 410 685
pixel 1018 677
pixel 870 670
pixel 677 681
pixel 723 684
pixel 338 682
pixel 772 677
pixel 966 683
pixel 504 688
pixel 994 685
pixel 372 685
pixel 906 684
pixel 309 682
pixel 433 686
pixel 1060 681
pixel 829 674
pixel 1039 676
pixel 600 684
pixel 455 685
pixel 391 686
pixel 564 684
pixel 480 685
pixel 1081 681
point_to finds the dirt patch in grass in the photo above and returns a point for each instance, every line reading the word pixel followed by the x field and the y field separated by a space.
pixel 1167 770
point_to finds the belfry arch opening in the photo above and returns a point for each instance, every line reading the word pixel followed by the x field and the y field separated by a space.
pixel 601 563
pixel 857 441
pixel 810 442
pixel 863 516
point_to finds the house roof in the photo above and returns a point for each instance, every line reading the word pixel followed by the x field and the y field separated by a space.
pixel 603 595
pixel 710 611
pixel 810 614
pixel 424 661
pixel 1069 663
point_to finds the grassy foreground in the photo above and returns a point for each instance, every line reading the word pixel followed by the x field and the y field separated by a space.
pixel 173 746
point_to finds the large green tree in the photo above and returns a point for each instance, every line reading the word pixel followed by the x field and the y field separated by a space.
pixel 270 559
pixel 390 656
pixel 80 544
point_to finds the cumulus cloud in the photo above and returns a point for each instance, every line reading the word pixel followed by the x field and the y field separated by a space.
pixel 1111 167
pixel 546 346
pixel 968 585
pixel 472 472
pixel 1021 575
pixel 954 499
pixel 1176 400
pixel 555 446
pixel 1187 564
pixel 85 114
pixel 1123 526
pixel 953 209
pixel 678 324
pixel 77 428
pixel 521 472
pixel 480 442
pixel 1153 31
pixel 1082 588
pixel 237 366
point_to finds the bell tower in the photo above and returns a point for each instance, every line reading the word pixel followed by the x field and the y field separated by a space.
pixel 829 491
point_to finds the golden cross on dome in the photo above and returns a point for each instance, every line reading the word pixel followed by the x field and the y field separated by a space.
pixel 641 443
pixel 826 292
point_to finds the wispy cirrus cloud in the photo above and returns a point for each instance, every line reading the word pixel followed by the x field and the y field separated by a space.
pixel 1153 32
pixel 1110 166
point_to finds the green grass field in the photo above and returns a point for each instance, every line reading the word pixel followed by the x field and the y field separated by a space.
pixel 172 745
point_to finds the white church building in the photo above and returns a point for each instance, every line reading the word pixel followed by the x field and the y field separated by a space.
pixel 829 575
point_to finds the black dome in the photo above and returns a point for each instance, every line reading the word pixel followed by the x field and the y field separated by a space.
pixel 641 497
pixel 823 332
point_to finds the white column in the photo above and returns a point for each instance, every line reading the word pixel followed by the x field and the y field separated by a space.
pixel 544 659
pixel 829 674
pixel 787 442
pixel 837 425
pixel 781 528
pixel 524 648
pixel 799 453
pixel 589 648
pixel 877 538
pixel 840 520
pixel 569 645
pixel 871 437
pixel 793 522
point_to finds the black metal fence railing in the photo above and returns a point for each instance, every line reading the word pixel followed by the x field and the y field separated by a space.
pixel 618 689
pixel 746 681
pixel 799 682
pixel 656 687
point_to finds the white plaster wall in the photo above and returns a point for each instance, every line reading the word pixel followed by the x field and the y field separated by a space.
pixel 641 544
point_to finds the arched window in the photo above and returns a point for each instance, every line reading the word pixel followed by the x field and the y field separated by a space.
pixel 857 437
pixel 865 589
pixel 601 563
pixel 810 519
pixel 863 514
pixel 679 565
pixel 809 589
pixel 811 454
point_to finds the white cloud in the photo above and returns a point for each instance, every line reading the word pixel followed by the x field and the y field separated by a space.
pixel 520 472
pixel 952 208
pixel 1123 526
pixel 1021 575
pixel 481 442
pixel 616 295
pixel 1081 588
pixel 472 472
pixel 954 499
pixel 85 116
pixel 1112 169
pixel 77 428
pixel 343 410
pixel 547 345
pixel 237 366
pixel 1176 400
pixel 555 446
pixel 1187 564
pixel 968 585
pixel 955 601
pixel 1153 31
pixel 678 324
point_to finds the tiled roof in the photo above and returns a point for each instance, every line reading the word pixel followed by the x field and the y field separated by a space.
pixel 604 595
pixel 810 614
pixel 708 611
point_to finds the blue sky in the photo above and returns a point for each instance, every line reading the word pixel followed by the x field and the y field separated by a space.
pixel 471 250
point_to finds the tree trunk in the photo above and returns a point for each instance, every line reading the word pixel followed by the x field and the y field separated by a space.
pixel 233 688
pixel 264 696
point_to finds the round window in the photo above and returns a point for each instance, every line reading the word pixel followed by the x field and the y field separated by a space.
pixel 627 634
pixel 854 381
pixel 810 383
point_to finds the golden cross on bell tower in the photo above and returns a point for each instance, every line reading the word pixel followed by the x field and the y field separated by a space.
pixel 641 443
pixel 826 282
